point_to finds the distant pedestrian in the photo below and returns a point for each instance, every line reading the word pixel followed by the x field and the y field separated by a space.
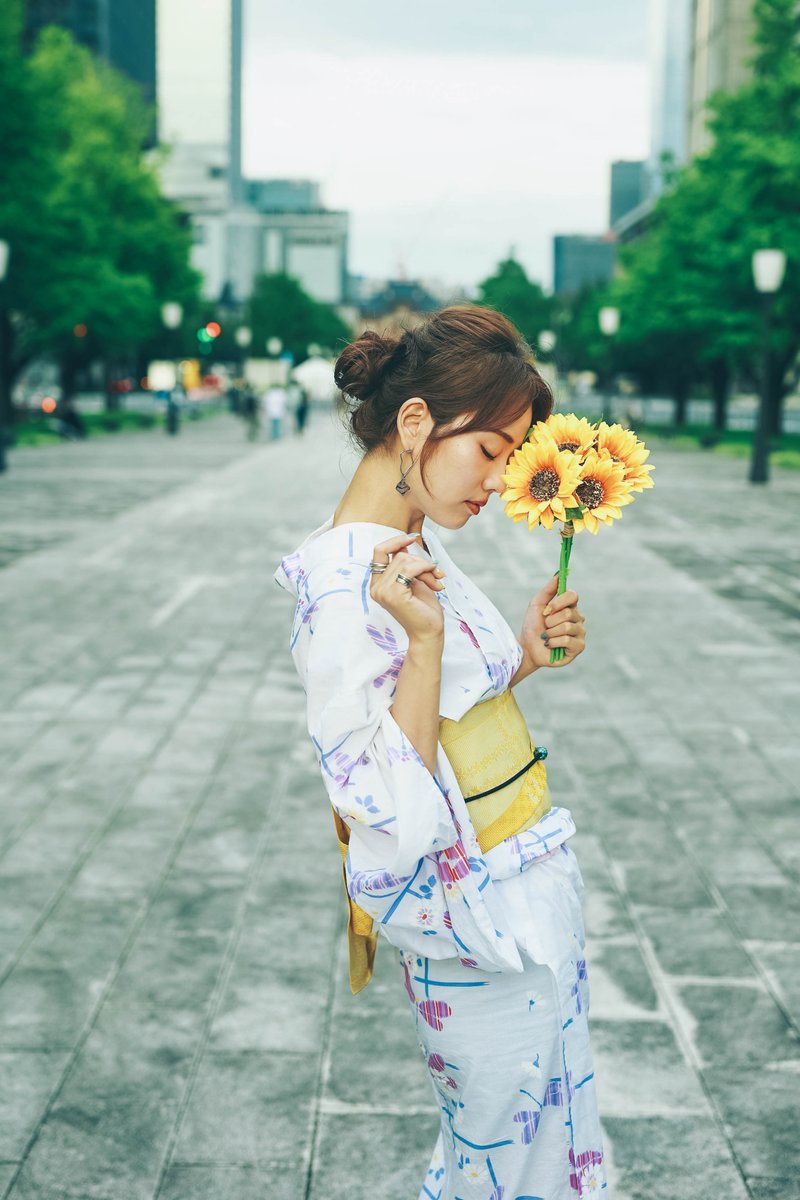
pixel 175 401
pixel 301 407
pixel 249 410
pixel 276 401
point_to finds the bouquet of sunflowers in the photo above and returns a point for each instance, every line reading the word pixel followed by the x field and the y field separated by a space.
pixel 580 474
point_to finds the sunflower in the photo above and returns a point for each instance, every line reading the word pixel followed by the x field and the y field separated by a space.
pixel 602 489
pixel 541 482
pixel 567 431
pixel 624 447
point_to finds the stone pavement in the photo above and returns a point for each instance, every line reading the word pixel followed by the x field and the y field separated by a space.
pixel 175 1020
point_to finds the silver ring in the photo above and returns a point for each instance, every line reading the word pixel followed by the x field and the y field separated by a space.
pixel 404 579
pixel 377 568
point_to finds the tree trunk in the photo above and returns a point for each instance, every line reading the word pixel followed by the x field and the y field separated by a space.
pixel 720 378
pixel 680 394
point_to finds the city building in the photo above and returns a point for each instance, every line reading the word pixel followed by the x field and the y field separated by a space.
pixel 670 53
pixel 397 305
pixel 242 227
pixel 628 189
pixel 721 50
pixel 580 260
pixel 123 33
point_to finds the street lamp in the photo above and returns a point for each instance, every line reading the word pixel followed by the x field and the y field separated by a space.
pixel 274 346
pixel 244 336
pixel 608 320
pixel 5 391
pixel 768 270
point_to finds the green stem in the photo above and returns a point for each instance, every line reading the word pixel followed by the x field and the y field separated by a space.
pixel 558 652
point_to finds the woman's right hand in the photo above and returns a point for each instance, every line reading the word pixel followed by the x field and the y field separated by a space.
pixel 415 608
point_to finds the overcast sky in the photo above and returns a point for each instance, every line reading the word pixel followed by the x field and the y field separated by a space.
pixel 450 130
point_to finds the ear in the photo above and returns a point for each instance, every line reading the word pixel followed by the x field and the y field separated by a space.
pixel 414 420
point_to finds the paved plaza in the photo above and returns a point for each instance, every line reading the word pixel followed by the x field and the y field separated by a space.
pixel 175 1017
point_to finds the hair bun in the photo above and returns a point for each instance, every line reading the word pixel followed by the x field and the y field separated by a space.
pixel 361 365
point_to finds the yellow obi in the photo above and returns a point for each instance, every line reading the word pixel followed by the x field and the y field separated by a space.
pixel 489 746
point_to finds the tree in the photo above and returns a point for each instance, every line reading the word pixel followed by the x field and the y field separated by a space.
pixel 99 248
pixel 689 306
pixel 279 307
pixel 510 292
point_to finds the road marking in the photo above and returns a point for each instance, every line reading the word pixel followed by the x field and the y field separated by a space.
pixel 190 587
pixel 627 668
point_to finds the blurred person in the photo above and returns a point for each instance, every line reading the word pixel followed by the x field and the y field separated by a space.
pixel 249 409
pixel 276 401
pixel 176 398
pixel 301 408
pixel 452 849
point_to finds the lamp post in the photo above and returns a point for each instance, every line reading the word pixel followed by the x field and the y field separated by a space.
pixel 768 271
pixel 5 393
pixel 608 320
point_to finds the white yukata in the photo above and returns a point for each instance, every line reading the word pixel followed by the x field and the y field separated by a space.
pixel 491 946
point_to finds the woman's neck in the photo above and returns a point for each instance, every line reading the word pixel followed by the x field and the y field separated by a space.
pixel 371 496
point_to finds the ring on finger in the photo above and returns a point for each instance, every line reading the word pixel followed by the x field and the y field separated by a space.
pixel 377 568
pixel 404 579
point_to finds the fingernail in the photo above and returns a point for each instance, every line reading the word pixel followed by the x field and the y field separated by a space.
pixel 543 636
pixel 438 571
pixel 546 611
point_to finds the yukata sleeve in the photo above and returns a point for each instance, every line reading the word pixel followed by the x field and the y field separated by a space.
pixel 406 864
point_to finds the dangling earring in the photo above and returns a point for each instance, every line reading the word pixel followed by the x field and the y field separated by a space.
pixel 402 487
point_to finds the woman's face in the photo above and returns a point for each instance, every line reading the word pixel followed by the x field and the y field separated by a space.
pixel 465 470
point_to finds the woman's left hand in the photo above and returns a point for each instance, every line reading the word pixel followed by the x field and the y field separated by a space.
pixel 558 618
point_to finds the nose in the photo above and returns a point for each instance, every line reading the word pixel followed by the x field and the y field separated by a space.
pixel 494 480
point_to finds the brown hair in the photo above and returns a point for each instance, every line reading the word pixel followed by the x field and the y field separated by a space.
pixel 463 359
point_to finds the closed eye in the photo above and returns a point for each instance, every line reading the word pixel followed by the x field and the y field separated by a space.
pixel 491 457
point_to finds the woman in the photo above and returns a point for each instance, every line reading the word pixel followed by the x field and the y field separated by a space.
pixel 452 848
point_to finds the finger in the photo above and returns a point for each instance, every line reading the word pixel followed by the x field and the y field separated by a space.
pixel 567 599
pixel 572 645
pixel 381 552
pixel 562 629
pixel 412 567
pixel 552 619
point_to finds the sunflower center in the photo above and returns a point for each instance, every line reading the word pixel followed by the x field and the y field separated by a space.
pixel 590 492
pixel 544 484
pixel 568 445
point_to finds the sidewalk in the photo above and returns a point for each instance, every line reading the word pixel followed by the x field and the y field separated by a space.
pixel 175 1018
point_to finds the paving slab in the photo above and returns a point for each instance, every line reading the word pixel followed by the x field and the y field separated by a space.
pixel 175 1016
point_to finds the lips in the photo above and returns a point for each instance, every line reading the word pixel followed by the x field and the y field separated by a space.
pixel 475 506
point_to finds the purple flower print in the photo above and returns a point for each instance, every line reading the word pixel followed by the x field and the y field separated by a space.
pixel 587 1177
pixel 529 1120
pixel 464 627
pixel 387 641
pixel 575 990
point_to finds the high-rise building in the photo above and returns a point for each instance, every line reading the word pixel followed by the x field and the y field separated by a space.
pixel 721 49
pixel 580 260
pixel 242 228
pixel 122 32
pixel 670 52
pixel 628 189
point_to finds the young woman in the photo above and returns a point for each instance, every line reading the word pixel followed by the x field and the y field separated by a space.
pixel 452 849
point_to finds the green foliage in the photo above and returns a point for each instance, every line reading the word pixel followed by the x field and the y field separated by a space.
pixel 510 292
pixel 685 290
pixel 93 241
pixel 279 307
